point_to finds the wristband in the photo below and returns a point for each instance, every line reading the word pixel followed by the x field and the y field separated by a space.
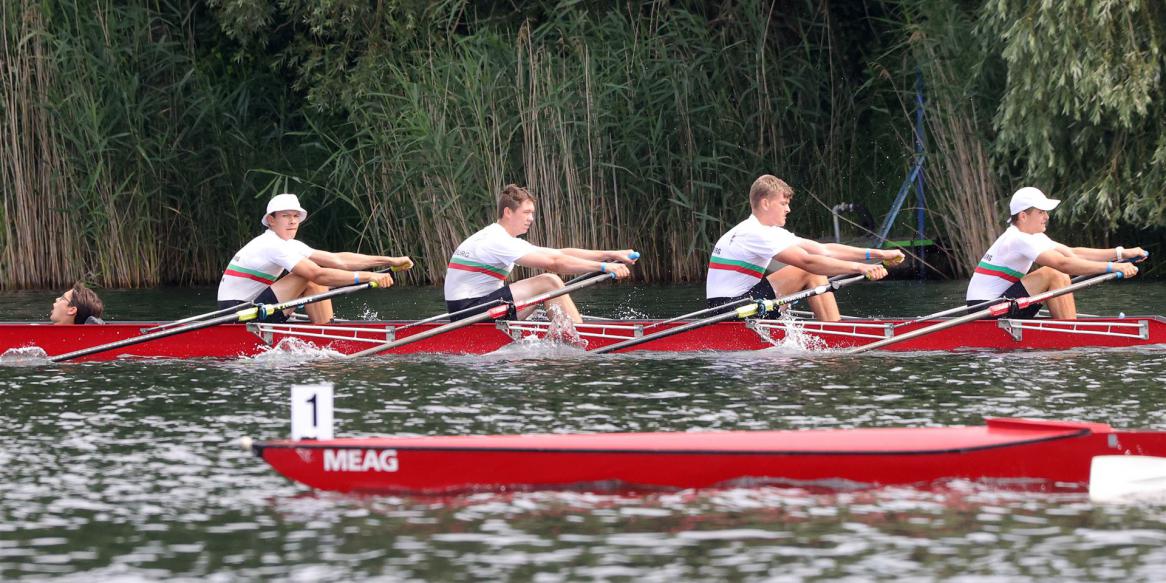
pixel 602 267
pixel 1118 252
pixel 355 278
pixel 1109 267
pixel 868 254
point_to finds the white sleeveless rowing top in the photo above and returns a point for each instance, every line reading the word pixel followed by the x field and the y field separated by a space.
pixel 741 255
pixel 1007 260
pixel 258 264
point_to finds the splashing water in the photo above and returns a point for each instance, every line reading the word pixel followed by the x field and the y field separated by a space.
pixel 24 356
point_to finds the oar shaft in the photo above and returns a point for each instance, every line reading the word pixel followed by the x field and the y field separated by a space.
pixel 741 312
pixel 495 312
pixel 244 315
pixel 208 315
pixel 723 307
pixel 995 310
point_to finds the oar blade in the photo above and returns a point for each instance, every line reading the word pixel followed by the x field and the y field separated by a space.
pixel 1127 478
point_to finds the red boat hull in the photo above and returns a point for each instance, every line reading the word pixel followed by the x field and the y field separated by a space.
pixel 237 340
pixel 1041 454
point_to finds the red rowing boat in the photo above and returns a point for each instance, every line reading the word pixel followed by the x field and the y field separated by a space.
pixel 240 340
pixel 1033 454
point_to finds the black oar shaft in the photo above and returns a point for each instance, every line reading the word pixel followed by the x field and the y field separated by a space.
pixel 489 314
pixel 741 312
pixel 245 315
pixel 996 310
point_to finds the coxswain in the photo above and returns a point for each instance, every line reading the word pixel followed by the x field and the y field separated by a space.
pixel 478 269
pixel 253 275
pixel 79 305
pixel 741 256
pixel 1004 270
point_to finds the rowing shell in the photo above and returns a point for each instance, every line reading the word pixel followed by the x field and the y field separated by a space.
pixel 238 340
pixel 1040 455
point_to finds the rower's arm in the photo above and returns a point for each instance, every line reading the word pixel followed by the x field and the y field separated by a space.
pixel 798 256
pixel 1112 254
pixel 331 277
pixel 1073 264
pixel 557 261
pixel 353 261
pixel 848 253
pixel 621 255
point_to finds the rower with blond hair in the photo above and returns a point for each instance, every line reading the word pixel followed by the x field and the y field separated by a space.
pixel 253 275
pixel 740 257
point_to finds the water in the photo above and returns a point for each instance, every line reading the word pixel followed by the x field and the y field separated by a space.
pixel 128 470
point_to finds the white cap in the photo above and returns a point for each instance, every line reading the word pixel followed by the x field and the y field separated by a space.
pixel 1029 197
pixel 284 202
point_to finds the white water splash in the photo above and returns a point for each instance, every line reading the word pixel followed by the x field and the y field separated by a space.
pixel 24 356
pixel 794 337
pixel 293 351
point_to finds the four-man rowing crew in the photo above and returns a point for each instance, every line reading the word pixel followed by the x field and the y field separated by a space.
pixel 1018 453
pixel 737 287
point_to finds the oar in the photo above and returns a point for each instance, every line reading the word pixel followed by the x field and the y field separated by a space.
pixel 229 310
pixel 490 314
pixel 725 307
pixel 246 315
pixel 1126 478
pixel 998 309
pixel 742 312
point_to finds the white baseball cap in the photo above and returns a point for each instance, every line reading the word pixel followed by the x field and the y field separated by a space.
pixel 284 202
pixel 1029 197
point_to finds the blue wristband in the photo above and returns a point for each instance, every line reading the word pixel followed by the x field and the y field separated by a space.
pixel 1109 267
pixel 355 278
pixel 602 267
pixel 868 254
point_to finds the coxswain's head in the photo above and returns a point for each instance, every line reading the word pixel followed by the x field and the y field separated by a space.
pixel 284 215
pixel 1030 208
pixel 76 305
pixel 770 197
pixel 515 210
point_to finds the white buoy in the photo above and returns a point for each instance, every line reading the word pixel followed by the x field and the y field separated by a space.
pixel 245 443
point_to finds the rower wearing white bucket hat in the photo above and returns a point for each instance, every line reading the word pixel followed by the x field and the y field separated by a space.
pixel 253 275
pixel 1004 270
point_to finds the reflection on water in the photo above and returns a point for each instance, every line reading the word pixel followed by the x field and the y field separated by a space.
pixel 130 469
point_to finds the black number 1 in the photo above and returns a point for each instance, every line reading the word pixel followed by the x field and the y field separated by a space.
pixel 313 402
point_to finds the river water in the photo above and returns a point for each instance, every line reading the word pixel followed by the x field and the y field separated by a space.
pixel 128 470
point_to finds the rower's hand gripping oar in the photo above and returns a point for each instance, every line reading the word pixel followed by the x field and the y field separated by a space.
pixel 236 308
pixel 450 315
pixel 494 313
pixel 258 312
pixel 997 310
pixel 740 313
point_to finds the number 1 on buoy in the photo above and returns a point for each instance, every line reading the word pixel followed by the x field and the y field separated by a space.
pixel 311 411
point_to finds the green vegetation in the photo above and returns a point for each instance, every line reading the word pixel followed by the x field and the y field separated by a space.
pixel 141 141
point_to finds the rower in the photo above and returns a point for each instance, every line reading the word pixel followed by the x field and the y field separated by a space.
pixel 1003 272
pixel 737 267
pixel 253 275
pixel 79 305
pixel 479 267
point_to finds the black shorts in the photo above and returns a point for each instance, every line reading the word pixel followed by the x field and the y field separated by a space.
pixel 267 296
pixel 503 294
pixel 1016 290
pixel 762 291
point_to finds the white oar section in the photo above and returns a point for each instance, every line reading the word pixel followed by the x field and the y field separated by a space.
pixel 992 311
pixel 739 313
pixel 490 314
pixel 1127 478
pixel 246 315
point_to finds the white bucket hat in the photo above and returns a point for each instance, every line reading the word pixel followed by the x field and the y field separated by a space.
pixel 1029 197
pixel 284 202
